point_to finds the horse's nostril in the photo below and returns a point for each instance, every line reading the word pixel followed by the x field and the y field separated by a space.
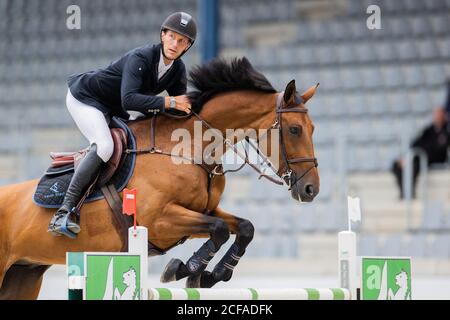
pixel 309 189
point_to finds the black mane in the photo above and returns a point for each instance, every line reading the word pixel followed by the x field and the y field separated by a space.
pixel 218 76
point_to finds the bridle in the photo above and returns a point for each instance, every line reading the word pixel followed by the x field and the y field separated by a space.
pixel 288 175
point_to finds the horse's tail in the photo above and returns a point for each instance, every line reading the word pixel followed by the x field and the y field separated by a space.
pixel 109 283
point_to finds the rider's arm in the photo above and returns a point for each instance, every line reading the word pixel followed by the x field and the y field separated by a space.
pixel 133 73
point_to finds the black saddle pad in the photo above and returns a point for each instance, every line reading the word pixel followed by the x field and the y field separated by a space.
pixel 52 187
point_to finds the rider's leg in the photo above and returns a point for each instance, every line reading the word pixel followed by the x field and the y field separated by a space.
pixel 85 173
pixel 93 125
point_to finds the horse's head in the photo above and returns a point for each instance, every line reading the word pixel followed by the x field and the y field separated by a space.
pixel 298 166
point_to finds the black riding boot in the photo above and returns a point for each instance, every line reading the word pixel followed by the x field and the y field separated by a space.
pixel 67 217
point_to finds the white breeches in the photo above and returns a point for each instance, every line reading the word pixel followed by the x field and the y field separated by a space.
pixel 92 124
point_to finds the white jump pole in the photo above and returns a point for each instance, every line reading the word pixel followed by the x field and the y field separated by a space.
pixel 347 262
pixel 347 259
pixel 249 294
pixel 138 244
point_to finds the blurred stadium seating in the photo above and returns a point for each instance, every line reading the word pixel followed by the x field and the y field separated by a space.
pixel 377 87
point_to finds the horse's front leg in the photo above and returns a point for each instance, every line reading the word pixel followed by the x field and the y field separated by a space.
pixel 223 271
pixel 184 222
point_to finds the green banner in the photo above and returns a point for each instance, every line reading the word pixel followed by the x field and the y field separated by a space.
pixel 113 277
pixel 386 278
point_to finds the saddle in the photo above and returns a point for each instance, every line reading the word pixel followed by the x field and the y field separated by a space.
pixel 119 136
pixel 113 177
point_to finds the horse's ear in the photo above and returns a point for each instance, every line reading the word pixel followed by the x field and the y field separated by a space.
pixel 289 93
pixel 308 94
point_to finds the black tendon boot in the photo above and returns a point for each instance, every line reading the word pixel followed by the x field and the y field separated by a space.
pixel 66 219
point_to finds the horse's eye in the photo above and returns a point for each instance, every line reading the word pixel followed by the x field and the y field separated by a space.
pixel 295 130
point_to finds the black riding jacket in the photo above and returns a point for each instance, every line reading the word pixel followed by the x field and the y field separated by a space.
pixel 130 83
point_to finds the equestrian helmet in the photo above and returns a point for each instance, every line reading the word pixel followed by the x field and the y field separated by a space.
pixel 182 23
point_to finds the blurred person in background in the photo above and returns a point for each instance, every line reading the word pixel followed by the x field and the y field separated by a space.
pixel 130 83
pixel 434 140
pixel 447 103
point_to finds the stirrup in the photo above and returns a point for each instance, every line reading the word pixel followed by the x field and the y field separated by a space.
pixel 63 230
pixel 63 227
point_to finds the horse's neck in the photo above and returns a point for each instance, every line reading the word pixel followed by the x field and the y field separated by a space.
pixel 241 109
pixel 234 110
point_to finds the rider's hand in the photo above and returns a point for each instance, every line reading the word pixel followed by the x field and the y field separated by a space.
pixel 182 103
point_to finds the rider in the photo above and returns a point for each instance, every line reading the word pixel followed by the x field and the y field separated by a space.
pixel 129 83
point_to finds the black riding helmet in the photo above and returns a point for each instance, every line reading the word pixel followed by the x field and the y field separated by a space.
pixel 182 23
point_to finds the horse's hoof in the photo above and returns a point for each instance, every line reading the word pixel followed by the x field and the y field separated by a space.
pixel 203 280
pixel 193 281
pixel 170 272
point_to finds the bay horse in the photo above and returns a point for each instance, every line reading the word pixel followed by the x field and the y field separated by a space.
pixel 172 198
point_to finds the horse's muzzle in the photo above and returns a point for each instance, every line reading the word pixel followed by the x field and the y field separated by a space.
pixel 305 192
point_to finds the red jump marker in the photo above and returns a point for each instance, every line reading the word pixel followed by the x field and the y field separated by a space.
pixel 129 203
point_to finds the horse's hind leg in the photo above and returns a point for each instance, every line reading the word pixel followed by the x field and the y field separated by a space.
pixel 223 271
pixel 186 222
pixel 22 282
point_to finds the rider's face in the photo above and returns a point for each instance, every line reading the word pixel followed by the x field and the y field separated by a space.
pixel 174 44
